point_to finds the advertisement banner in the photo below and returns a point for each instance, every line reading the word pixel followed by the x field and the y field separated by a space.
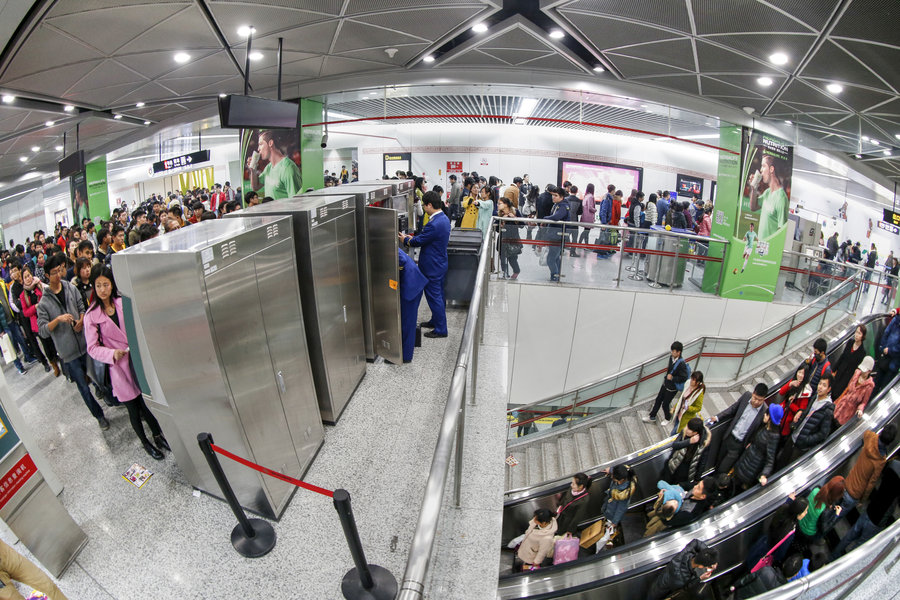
pixel 272 161
pixel 397 161
pixel 763 204
pixel 78 191
pixel 312 113
pixel 726 206
pixel 97 190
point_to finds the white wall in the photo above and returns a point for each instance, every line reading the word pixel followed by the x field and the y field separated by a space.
pixel 600 332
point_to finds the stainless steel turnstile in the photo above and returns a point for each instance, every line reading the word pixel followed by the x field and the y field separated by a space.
pixel 379 271
pixel 328 276
pixel 220 330
pixel 403 194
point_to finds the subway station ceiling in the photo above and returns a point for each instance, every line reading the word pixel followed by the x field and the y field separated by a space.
pixel 114 63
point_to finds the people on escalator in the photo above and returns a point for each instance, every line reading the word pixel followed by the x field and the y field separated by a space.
pixel 888 353
pixel 573 505
pixel 850 358
pixel 537 543
pixel 744 418
pixel 877 514
pixel 686 571
pixel 690 402
pixel 668 502
pixel 758 459
pixel 695 503
pixel 623 482
pixel 824 508
pixel 689 453
pixel 816 365
pixel 766 579
pixel 677 373
pixel 794 398
pixel 868 466
pixel 725 489
pixel 857 393
pixel 811 426
pixel 776 540
pixel 689 505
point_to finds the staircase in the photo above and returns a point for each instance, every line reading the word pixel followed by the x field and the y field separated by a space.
pixel 593 442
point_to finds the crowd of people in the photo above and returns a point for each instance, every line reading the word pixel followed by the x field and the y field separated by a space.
pixel 849 252
pixel 764 432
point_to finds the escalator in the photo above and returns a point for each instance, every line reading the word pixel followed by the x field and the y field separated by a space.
pixel 625 571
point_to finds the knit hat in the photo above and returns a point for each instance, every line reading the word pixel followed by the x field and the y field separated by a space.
pixel 867 364
pixel 776 413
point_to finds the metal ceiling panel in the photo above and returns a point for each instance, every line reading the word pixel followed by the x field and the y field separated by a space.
pixel 188 86
pixel 552 62
pixel 832 62
pixel 53 82
pixel 758 105
pixel 184 31
pixel 814 14
pixel 891 108
pixel 874 20
pixel 884 60
pixel 677 53
pixel 762 45
pixel 148 91
pixel 118 25
pixel 338 65
pixel 47 48
pixel 356 35
pixel 363 6
pixel 106 74
pixel 213 63
pixel 715 59
pixel 515 39
pixel 431 22
pixel 735 16
pixel 100 96
pixel 748 82
pixel 636 67
pixel 404 54
pixel 314 38
pixel 476 58
pixel 716 87
pixel 149 64
pixel 859 99
pixel 801 92
pixel 68 7
pixel 656 12
pixel 267 20
pixel 308 68
pixel 610 32
pixel 682 83
pixel 517 57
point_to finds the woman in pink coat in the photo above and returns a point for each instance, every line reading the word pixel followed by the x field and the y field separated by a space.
pixel 588 211
pixel 856 396
pixel 107 343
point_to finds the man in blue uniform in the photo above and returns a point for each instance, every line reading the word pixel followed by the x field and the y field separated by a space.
pixel 412 282
pixel 433 261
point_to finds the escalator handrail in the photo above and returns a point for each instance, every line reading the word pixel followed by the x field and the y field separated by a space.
pixel 702 340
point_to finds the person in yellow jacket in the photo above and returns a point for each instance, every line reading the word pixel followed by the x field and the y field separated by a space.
pixel 690 403
pixel 14 566
pixel 469 207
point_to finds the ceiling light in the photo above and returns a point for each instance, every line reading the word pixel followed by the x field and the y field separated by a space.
pixel 876 142
pixel 886 152
pixel 789 122
pixel 59 148
pixel 526 107
pixel 8 99
pixel 139 105
pixel 897 135
pixel 599 69
pixel 643 106
pixel 834 88
pixel 764 81
pixel 557 34
pixel 779 58
pixel 35 148
pixel 865 138
pixel 117 116
pixel 858 155
pixel 68 108
pixel 245 30
pixel 429 59
pixel 23 158
pixel 182 57
pixel 256 56
pixel 480 27
pixel 146 122
pixel 49 123
pixel 223 95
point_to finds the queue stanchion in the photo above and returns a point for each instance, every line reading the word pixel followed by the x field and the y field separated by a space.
pixel 251 538
pixel 364 581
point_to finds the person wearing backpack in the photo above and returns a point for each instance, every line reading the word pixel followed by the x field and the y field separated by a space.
pixel 744 417
pixel 677 373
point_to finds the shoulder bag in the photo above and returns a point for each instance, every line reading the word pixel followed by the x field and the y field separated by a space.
pixel 768 559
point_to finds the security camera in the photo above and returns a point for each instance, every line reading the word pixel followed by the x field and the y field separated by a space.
pixel 325 140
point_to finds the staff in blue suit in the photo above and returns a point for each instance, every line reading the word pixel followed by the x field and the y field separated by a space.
pixel 433 261
pixel 412 282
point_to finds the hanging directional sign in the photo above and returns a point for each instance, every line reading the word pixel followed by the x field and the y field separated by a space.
pixel 180 162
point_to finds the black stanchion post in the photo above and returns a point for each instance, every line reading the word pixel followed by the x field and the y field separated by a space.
pixel 250 537
pixel 364 581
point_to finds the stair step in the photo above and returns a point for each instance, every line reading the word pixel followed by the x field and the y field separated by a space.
pixel 600 443
pixel 619 444
pixel 568 456
pixel 713 403
pixel 771 377
pixel 584 447
pixel 534 464
pixel 517 477
pixel 634 429
pixel 550 455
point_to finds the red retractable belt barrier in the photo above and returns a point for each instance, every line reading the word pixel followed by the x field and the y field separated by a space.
pixel 271 473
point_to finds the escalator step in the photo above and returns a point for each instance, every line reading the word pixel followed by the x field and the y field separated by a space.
pixel 619 443
pixel 534 464
pixel 517 476
pixel 600 443
pixel 584 448
pixel 568 456
pixel 635 430
pixel 550 455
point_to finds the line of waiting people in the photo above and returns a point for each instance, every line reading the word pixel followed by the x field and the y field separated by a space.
pixel 761 437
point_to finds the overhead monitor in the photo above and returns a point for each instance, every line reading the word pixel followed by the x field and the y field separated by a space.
pixel 73 163
pixel 689 186
pixel 238 112
pixel 583 172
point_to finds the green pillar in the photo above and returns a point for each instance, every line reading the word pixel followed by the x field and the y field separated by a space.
pixel 311 113
pixel 97 189
pixel 725 211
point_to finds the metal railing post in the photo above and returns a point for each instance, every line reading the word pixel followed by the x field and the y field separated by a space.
pixel 675 266
pixel 637 383
pixel 743 358
pixel 788 334
pixel 460 435
pixel 621 256
pixel 700 354
pixel 721 271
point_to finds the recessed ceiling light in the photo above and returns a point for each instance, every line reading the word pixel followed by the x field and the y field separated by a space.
pixel 480 27
pixel 834 88
pixel 858 155
pixel 146 122
pixel 23 158
pixel 599 69
pixel 245 30
pixel 59 148
pixel 876 142
pixel 865 138
pixel 117 116
pixel 182 57
pixel 779 58
pixel 897 135
pixel 643 106
pixel 49 123
pixel 68 108
pixel 557 34
pixel 764 81
pixel 139 105
pixel 256 56
pixel 35 148
pixel 886 152
pixel 429 59
pixel 223 95
pixel 8 99
pixel 789 122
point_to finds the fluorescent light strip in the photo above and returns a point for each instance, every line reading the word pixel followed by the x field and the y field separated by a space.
pixel 796 170
pixel 526 107
pixel 703 136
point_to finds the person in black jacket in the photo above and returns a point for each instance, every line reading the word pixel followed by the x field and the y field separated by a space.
pixel 573 505
pixel 758 459
pixel 813 425
pixel 686 571
pixel 766 579
pixel 676 374
pixel 877 513
pixel 744 418
pixel 780 527
pixel 689 452
pixel 544 205
pixel 554 233
pixel 695 504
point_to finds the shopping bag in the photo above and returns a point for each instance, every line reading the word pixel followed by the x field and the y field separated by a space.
pixel 9 352
pixel 565 549
pixel 592 533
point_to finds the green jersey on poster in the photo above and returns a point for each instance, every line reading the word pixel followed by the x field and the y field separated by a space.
pixel 281 181
pixel 773 212
pixel 749 241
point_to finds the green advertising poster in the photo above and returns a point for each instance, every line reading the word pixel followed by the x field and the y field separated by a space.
pixel 97 190
pixel 760 224
pixel 725 212
pixel 272 162
pixel 312 115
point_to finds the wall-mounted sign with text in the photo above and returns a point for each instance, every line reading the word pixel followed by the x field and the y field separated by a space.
pixel 180 162
pixel 891 217
pixel 889 227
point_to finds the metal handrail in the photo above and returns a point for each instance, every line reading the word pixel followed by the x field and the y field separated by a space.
pixel 413 584
pixel 702 340
pixel 560 224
